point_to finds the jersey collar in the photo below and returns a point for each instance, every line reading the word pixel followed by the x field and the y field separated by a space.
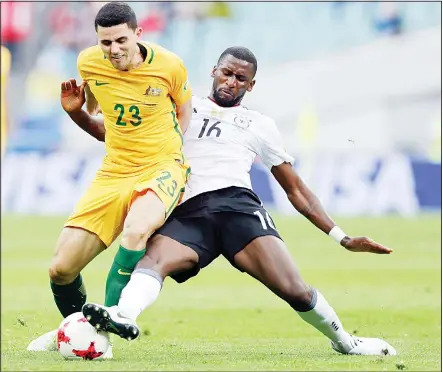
pixel 150 52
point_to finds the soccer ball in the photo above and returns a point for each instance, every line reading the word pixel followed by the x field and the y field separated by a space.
pixel 77 339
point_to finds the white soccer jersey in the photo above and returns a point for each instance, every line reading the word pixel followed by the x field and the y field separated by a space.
pixel 221 144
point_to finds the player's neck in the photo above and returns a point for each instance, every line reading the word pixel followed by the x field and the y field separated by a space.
pixel 211 98
pixel 137 60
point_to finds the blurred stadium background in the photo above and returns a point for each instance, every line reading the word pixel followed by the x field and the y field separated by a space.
pixel 355 89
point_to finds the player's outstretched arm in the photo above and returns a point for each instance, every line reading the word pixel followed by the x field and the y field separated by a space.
pixel 309 206
pixel 72 99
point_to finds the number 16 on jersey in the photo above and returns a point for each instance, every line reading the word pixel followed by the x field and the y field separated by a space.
pixel 212 128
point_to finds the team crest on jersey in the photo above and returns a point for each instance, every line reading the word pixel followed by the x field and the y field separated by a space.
pixel 242 121
pixel 217 114
pixel 155 92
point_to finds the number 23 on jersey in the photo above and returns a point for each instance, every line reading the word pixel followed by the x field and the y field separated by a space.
pixel 134 113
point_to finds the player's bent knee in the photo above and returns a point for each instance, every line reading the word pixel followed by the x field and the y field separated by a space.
pixel 173 265
pixel 168 256
pixel 167 266
pixel 135 237
pixel 168 261
pixel 146 262
pixel 62 273
pixel 295 291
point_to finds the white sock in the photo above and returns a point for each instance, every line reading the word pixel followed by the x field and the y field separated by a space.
pixel 324 318
pixel 141 292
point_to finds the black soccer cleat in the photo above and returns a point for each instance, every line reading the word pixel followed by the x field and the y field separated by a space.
pixel 110 319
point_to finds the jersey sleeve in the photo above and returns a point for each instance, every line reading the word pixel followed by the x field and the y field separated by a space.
pixel 80 65
pixel 271 148
pixel 180 89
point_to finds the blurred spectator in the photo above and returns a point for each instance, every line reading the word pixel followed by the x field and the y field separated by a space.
pixel 169 13
pixel 45 55
pixel 388 20
pixel 154 24
pixel 190 11
pixel 72 24
pixel 16 26
pixel 5 67
pixel 168 10
pixel 218 9
pixel 192 15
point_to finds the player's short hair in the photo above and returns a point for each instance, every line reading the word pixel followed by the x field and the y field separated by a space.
pixel 241 53
pixel 114 14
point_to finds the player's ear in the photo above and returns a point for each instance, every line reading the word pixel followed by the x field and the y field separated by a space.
pixel 251 85
pixel 138 32
pixel 213 72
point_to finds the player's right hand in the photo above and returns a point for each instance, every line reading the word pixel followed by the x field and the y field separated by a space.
pixel 72 96
pixel 364 244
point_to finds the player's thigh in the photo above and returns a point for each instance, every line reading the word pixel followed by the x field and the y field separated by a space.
pixel 267 259
pixel 146 214
pixel 253 245
pixel 166 256
pixel 239 228
pixel 187 244
pixel 74 249
pixel 102 208
pixel 155 196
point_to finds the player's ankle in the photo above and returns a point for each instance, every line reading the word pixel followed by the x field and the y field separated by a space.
pixel 346 342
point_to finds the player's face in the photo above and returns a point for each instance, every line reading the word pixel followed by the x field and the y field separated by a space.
pixel 119 44
pixel 233 77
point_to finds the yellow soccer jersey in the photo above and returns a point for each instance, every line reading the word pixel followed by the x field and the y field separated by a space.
pixel 138 107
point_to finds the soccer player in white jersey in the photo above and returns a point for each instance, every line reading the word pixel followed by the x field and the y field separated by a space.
pixel 221 215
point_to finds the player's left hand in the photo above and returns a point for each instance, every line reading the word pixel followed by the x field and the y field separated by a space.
pixel 364 244
pixel 72 97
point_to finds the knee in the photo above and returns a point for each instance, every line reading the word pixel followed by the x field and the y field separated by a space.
pixel 148 262
pixel 135 237
pixel 297 293
pixel 61 273
pixel 167 262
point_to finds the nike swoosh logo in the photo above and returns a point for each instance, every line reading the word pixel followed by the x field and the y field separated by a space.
pixel 97 83
pixel 123 272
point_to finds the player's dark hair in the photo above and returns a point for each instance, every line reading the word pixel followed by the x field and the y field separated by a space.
pixel 114 14
pixel 240 53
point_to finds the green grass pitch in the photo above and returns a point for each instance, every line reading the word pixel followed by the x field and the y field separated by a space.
pixel 224 320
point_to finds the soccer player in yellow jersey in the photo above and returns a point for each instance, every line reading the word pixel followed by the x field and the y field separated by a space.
pixel 142 91
pixel 5 67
